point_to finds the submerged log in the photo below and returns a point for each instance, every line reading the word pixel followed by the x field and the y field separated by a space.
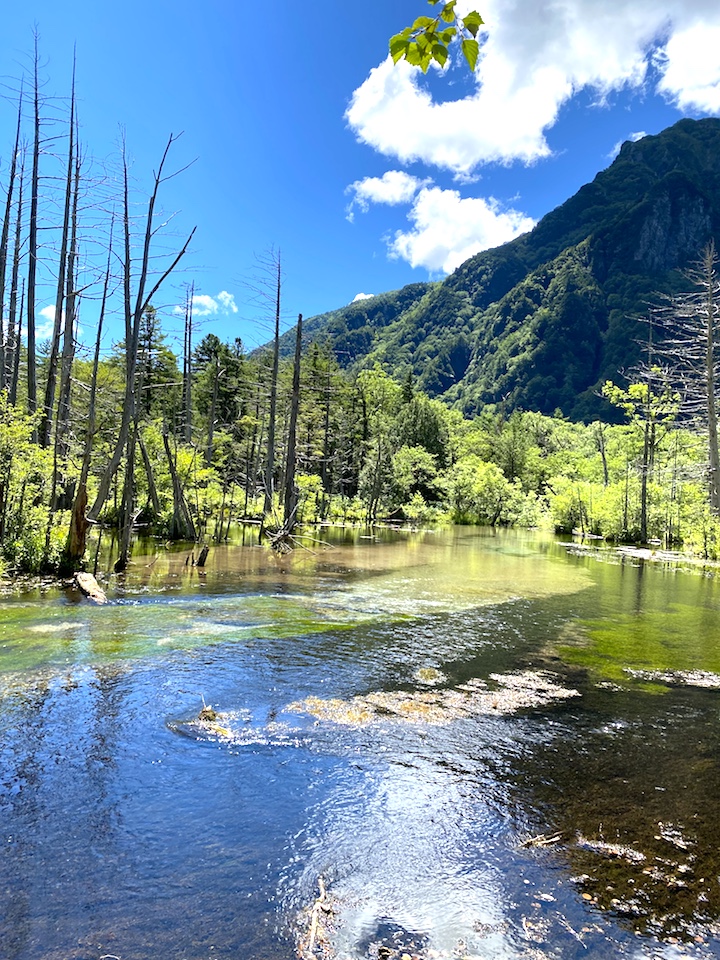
pixel 88 585
pixel 202 557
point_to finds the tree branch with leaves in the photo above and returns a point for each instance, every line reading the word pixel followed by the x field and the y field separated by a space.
pixel 429 38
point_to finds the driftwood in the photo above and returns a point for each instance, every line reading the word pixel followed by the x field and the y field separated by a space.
pixel 315 915
pixel 541 840
pixel 88 585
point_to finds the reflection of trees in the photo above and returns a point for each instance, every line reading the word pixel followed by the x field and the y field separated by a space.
pixel 58 807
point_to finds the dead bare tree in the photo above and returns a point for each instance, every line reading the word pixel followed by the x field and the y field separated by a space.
pixel 187 364
pixel 135 305
pixel 275 264
pixel 291 492
pixel 15 318
pixel 6 334
pixel 50 384
pixel 77 534
pixel 33 240
pixel 692 345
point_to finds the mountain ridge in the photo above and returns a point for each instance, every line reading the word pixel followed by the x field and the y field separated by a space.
pixel 540 322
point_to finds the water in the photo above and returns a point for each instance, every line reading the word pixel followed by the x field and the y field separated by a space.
pixel 128 831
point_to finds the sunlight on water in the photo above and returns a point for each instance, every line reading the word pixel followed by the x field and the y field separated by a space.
pixel 246 593
pixel 129 830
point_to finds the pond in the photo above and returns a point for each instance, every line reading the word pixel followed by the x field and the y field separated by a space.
pixel 434 744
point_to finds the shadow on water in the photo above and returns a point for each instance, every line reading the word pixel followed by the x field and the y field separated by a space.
pixel 121 838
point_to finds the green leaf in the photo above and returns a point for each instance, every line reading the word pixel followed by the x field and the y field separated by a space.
pixel 425 62
pixel 403 35
pixel 472 22
pixel 447 35
pixel 471 49
pixel 440 54
pixel 413 54
pixel 448 14
pixel 422 23
pixel 423 41
pixel 398 46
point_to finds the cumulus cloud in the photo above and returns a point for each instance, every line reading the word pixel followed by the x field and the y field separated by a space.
pixel 447 229
pixel 534 58
pixel 690 64
pixel 393 187
pixel 362 296
pixel 227 302
pixel 221 305
pixel 44 330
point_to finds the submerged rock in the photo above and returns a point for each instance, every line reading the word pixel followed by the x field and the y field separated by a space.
pixel 684 678
pixel 509 694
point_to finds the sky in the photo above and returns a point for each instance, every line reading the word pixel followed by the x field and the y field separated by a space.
pixel 302 137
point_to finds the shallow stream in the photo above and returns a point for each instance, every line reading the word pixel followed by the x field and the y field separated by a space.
pixel 365 739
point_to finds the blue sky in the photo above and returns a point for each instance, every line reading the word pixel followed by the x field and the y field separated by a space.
pixel 304 138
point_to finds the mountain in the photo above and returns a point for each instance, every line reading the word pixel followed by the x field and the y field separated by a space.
pixel 540 322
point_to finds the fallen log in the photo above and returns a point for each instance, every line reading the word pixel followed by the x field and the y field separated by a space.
pixel 89 587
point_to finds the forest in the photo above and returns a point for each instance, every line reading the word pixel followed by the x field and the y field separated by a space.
pixel 182 445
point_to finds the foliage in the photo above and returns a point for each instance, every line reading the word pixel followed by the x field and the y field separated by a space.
pixel 428 39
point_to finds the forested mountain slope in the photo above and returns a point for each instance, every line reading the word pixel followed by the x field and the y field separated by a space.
pixel 539 322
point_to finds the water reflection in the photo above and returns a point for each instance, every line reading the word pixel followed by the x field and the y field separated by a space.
pixel 120 837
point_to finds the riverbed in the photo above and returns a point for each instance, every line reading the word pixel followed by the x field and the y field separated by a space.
pixel 378 734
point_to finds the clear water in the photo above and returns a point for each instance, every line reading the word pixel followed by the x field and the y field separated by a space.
pixel 125 834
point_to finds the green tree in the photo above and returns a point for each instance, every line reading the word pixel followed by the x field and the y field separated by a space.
pixel 380 399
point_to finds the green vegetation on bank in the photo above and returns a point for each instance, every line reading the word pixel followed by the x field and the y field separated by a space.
pixel 368 448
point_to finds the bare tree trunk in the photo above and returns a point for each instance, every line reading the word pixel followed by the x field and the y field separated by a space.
pixel 16 364
pixel 712 309
pixel 77 535
pixel 270 461
pixel 643 483
pixel 182 527
pixel 15 319
pixel 187 365
pixel 149 473
pixel 45 426
pixel 6 340
pixel 133 318
pixel 326 467
pixel 213 407
pixel 600 440
pixel 33 245
pixel 127 503
pixel 62 425
pixel 291 491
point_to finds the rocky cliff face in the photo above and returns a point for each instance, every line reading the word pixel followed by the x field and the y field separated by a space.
pixel 678 223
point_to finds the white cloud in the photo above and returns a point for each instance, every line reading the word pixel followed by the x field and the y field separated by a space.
pixel 447 229
pixel 44 331
pixel 632 137
pixel 690 62
pixel 362 296
pixel 393 187
pixel 227 302
pixel 221 304
pixel 533 59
